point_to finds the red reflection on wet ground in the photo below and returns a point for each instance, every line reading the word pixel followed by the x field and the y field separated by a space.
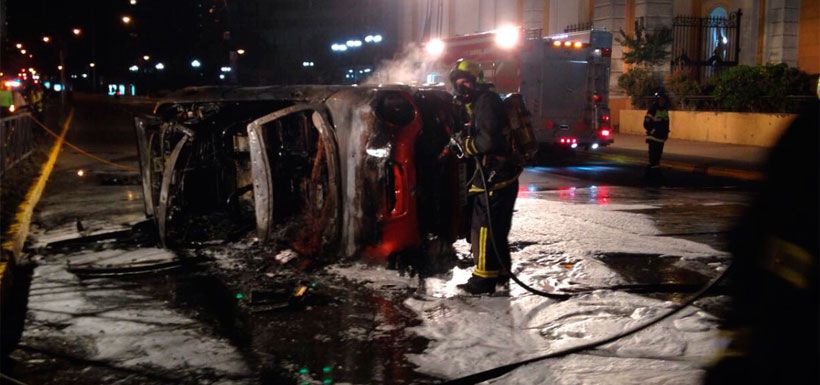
pixel 567 193
pixel 593 194
pixel 599 194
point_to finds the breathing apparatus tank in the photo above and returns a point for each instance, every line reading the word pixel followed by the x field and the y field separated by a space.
pixel 522 135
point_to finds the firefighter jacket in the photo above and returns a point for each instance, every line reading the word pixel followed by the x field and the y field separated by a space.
pixel 656 124
pixel 488 139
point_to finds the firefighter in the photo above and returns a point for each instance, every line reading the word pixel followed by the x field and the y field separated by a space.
pixel 656 124
pixel 35 97
pixel 488 142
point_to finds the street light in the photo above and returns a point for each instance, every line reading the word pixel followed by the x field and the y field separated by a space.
pixel 160 66
pixel 195 63
pixel 19 46
pixel 59 68
pixel 22 51
pixel 133 2
pixel 126 19
pixel 134 68
pixel 225 69
pixel 46 39
pixel 240 51
pixel 146 57
pixel 76 31
pixel 92 65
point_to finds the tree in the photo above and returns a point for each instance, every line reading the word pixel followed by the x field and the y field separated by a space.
pixel 645 48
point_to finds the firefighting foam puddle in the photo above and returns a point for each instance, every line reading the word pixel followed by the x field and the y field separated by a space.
pixel 141 333
pixel 560 244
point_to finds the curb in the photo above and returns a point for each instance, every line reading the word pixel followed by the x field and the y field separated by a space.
pixel 746 175
pixel 18 231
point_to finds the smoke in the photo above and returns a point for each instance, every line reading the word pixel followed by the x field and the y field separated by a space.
pixel 412 66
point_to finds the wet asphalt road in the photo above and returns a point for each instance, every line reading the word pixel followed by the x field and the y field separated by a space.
pixel 341 333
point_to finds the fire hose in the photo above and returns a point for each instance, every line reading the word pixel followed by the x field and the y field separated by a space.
pixel 504 369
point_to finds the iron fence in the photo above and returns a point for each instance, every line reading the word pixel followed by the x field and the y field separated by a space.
pixel 578 27
pixel 705 46
pixel 18 140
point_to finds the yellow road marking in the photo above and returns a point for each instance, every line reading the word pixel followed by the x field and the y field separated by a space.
pixel 18 232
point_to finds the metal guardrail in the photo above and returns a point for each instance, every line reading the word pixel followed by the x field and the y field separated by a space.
pixel 16 133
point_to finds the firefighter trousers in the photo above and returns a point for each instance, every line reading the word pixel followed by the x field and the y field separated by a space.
pixel 655 152
pixel 502 202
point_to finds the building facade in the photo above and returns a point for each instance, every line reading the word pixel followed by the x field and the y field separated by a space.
pixel 768 31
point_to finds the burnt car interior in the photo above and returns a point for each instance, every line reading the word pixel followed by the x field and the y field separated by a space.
pixel 301 177
pixel 198 169
pixel 201 186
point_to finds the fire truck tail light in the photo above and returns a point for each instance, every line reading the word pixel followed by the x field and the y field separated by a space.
pixel 605 118
pixel 574 140
pixel 606 52
pixel 605 133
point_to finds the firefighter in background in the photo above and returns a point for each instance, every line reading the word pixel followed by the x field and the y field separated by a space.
pixel 656 124
pixel 35 98
pixel 488 142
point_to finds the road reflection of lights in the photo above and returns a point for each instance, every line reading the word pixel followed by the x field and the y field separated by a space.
pixel 130 196
pixel 602 195
pixel 566 193
pixel 599 195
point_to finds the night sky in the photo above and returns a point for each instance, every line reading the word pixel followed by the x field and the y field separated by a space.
pixel 277 35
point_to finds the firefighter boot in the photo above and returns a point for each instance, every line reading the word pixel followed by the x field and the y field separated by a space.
pixel 478 285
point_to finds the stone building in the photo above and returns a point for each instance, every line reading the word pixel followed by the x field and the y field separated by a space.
pixel 770 31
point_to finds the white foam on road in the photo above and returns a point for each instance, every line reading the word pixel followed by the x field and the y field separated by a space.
pixel 107 322
pixel 114 258
pixel 561 242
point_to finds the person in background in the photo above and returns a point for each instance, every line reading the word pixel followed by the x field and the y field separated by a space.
pixel 656 124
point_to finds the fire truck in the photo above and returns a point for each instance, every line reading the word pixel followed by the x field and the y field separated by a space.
pixel 564 78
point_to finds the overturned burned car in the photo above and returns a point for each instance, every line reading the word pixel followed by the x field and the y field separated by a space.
pixel 329 171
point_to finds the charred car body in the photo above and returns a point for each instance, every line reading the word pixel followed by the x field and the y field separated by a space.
pixel 329 171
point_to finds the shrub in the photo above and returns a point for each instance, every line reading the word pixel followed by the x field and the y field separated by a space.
pixel 760 88
pixel 681 85
pixel 639 83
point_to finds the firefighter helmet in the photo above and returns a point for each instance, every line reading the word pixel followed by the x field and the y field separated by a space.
pixel 466 69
